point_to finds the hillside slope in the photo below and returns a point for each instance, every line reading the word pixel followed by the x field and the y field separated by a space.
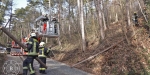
pixel 126 58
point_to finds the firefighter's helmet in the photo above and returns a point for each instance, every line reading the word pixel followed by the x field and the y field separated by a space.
pixel 44 14
pixel 42 44
pixel 54 19
pixel 33 34
pixel 26 38
pixel 135 13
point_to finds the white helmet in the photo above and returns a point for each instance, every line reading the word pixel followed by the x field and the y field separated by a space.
pixel 26 38
pixel 42 43
pixel 33 34
pixel 44 14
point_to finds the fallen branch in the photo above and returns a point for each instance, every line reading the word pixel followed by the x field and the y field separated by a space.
pixel 91 57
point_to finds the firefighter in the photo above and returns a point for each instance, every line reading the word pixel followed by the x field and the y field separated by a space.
pixel 45 17
pixel 32 49
pixel 136 19
pixel 54 20
pixel 44 20
pixel 8 47
pixel 43 53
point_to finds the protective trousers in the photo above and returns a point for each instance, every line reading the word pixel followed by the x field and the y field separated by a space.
pixel 8 50
pixel 28 65
pixel 136 22
pixel 42 69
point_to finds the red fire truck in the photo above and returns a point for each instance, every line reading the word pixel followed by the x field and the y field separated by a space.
pixel 14 45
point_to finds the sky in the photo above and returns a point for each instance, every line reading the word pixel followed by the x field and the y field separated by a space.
pixel 19 4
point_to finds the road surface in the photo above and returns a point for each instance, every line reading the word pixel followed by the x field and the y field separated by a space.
pixel 54 67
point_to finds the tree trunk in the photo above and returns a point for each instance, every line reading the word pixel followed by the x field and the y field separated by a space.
pixel 128 13
pixel 116 20
pixel 142 11
pixel 80 6
pixel 104 22
pixel 127 21
pixel 49 9
pixel 99 12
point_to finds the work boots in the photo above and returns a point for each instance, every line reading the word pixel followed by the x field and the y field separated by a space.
pixel 42 71
pixel 25 71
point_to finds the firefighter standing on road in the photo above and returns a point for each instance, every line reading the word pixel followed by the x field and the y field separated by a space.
pixel 32 49
pixel 43 53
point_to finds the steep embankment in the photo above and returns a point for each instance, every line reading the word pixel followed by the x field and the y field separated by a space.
pixel 126 58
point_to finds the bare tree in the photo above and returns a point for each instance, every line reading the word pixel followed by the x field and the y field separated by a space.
pixel 128 12
pixel 99 12
pixel 80 8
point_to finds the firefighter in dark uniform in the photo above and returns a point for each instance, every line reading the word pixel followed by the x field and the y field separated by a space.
pixel 136 19
pixel 43 53
pixel 8 47
pixel 45 18
pixel 54 20
pixel 32 49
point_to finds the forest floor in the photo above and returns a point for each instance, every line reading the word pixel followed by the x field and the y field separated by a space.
pixel 129 57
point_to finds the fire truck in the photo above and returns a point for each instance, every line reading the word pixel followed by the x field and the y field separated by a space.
pixel 15 45
pixel 21 53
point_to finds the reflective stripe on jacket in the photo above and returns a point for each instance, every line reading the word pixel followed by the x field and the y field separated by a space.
pixel 43 52
pixel 33 46
pixel 8 45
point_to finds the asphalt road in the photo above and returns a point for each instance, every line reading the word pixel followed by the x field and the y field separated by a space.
pixel 54 67
pixel 16 59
